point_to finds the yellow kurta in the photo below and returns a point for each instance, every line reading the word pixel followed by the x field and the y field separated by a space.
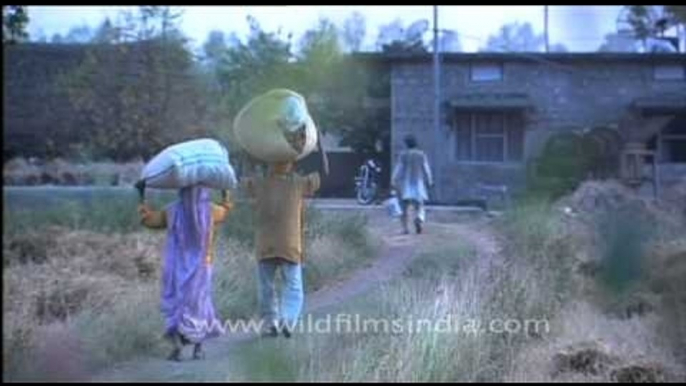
pixel 279 208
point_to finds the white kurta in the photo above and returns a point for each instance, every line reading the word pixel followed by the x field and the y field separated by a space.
pixel 412 175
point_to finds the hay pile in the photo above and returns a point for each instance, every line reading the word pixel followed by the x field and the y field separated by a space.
pixel 587 345
pixel 595 360
pixel 595 198
pixel 587 210
pixel 587 358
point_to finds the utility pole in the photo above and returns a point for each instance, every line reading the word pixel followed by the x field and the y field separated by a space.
pixel 547 42
pixel 437 112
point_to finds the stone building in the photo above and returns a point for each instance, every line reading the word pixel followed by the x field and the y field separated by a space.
pixel 500 109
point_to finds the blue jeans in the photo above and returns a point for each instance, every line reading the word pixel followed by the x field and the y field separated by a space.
pixel 292 294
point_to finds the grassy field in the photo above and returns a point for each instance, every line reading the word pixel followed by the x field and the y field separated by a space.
pixel 611 294
pixel 92 208
pixel 567 330
pixel 81 276
pixel 445 282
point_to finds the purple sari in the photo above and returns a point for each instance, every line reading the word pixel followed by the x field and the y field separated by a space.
pixel 187 277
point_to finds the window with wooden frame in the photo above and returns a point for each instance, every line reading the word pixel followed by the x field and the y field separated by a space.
pixel 489 136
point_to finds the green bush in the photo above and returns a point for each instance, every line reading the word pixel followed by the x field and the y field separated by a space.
pixel 625 236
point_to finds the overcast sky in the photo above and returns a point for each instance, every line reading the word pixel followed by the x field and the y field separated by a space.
pixel 579 28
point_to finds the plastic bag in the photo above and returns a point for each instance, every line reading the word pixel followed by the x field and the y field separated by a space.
pixel 393 206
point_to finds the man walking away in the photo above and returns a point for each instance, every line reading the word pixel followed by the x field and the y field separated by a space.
pixel 412 179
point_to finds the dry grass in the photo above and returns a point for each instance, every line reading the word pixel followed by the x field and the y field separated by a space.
pixel 666 279
pixel 66 286
pixel 447 283
pixel 626 322
pixel 100 293
pixel 539 279
pixel 50 278
pixel 548 273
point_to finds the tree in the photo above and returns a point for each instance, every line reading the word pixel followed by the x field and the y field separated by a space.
pixel 56 39
pixel 393 38
pixel 335 85
pixel 354 30
pixel 389 33
pixel 449 42
pixel 344 87
pixel 558 47
pixel 348 96
pixel 677 13
pixel 214 46
pixel 138 96
pixel 648 25
pixel 213 49
pixel 515 37
pixel 325 75
pixel 106 33
pixel 641 19
pixel 40 36
pixel 15 18
pixel 617 42
pixel 79 34
pixel 254 67
pixel 320 51
pixel 248 68
pixel 364 118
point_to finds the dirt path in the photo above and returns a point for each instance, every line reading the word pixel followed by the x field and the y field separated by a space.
pixel 396 253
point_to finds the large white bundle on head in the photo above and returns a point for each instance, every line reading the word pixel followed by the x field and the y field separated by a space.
pixel 276 127
pixel 197 162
